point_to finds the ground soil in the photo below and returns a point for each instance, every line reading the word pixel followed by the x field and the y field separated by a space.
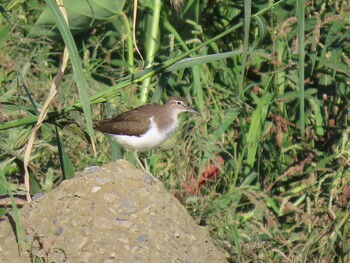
pixel 112 213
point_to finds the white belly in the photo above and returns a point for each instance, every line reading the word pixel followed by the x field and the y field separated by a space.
pixel 147 141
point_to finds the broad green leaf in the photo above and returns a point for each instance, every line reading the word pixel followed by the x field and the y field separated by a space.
pixel 82 15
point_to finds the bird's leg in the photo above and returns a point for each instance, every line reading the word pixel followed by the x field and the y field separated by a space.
pixel 146 165
pixel 136 156
pixel 149 176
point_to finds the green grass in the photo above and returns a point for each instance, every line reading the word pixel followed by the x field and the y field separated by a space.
pixel 265 168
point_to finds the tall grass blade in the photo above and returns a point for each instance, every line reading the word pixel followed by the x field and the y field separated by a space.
pixel 35 107
pixel 199 60
pixel 116 153
pixel 5 14
pixel 4 32
pixel 263 30
pixel 67 166
pixel 151 46
pixel 16 217
pixel 301 56
pixel 247 19
pixel 237 240
pixel 255 130
pixel 76 64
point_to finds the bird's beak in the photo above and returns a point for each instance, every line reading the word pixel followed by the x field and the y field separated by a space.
pixel 193 111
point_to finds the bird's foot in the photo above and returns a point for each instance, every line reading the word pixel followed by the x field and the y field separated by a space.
pixel 149 178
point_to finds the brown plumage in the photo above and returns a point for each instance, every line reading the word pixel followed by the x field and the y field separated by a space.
pixel 128 123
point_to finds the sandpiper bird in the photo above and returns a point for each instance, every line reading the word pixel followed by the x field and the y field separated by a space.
pixel 146 127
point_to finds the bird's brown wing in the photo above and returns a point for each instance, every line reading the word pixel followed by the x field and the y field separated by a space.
pixel 120 128
pixel 127 123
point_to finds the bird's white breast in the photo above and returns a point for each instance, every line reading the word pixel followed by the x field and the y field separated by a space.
pixel 149 140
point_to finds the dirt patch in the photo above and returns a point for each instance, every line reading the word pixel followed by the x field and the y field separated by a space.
pixel 108 214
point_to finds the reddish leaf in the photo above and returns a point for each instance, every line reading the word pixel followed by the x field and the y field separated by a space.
pixel 210 173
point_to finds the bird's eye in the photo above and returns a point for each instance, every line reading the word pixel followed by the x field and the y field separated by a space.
pixel 179 103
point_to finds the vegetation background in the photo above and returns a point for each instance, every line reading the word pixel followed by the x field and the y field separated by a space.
pixel 266 167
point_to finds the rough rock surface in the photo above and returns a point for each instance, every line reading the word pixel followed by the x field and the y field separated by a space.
pixel 108 214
